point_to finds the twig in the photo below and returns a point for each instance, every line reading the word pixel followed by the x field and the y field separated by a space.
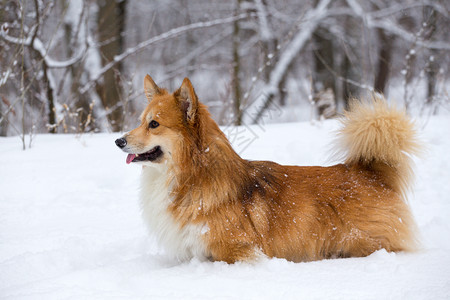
pixel 393 28
pixel 159 38
pixel 313 18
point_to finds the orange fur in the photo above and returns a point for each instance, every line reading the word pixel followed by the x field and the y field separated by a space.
pixel 297 213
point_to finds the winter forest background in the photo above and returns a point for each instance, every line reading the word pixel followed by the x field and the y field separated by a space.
pixel 70 224
pixel 78 66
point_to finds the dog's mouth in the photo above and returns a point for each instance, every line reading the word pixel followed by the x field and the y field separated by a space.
pixel 151 155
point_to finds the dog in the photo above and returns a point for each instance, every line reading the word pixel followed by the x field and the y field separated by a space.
pixel 201 199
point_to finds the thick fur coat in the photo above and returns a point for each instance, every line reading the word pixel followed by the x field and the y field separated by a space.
pixel 201 199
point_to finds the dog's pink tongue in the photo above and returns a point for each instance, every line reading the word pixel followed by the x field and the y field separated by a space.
pixel 130 158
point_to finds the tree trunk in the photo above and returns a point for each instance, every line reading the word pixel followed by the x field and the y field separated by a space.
pixel 384 61
pixel 80 101
pixel 431 69
pixel 236 83
pixel 3 122
pixel 266 39
pixel 50 99
pixel 111 23
pixel 348 69
pixel 323 78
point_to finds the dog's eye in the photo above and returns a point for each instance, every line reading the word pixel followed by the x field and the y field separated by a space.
pixel 153 124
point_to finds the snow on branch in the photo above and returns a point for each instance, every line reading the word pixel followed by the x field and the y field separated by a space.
pixel 159 38
pixel 311 21
pixel 32 41
pixel 265 31
pixel 393 28
pixel 51 63
pixel 396 8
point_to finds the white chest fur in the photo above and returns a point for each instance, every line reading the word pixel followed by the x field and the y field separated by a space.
pixel 183 243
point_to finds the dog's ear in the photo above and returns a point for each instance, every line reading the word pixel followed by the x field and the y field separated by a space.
pixel 150 88
pixel 187 100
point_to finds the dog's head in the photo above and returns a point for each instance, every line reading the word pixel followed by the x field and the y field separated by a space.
pixel 165 123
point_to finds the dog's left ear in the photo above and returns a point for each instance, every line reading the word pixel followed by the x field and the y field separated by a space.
pixel 150 88
pixel 187 99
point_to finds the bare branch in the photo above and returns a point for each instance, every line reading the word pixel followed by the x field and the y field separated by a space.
pixel 159 38
pixel 39 46
pixel 311 20
pixel 394 28
pixel 265 31
pixel 382 13
pixel 398 31
pixel 186 60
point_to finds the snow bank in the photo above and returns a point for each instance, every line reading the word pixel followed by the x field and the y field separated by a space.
pixel 70 227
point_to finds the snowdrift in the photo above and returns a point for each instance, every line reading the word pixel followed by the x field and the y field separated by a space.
pixel 70 227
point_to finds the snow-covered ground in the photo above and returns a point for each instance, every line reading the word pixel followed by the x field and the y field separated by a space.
pixel 70 227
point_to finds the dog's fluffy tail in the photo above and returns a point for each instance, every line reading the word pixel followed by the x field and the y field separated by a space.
pixel 382 138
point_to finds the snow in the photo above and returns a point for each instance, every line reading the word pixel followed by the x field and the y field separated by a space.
pixel 265 31
pixel 70 228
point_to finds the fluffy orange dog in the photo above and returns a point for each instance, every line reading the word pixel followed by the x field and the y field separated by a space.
pixel 201 199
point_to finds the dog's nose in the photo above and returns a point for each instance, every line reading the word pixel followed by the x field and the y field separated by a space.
pixel 121 142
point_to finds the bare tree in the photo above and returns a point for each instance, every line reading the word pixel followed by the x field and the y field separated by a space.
pixel 76 66
pixel 111 16
pixel 323 80
pixel 429 19
pixel 236 82
pixel 384 60
pixel 312 17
